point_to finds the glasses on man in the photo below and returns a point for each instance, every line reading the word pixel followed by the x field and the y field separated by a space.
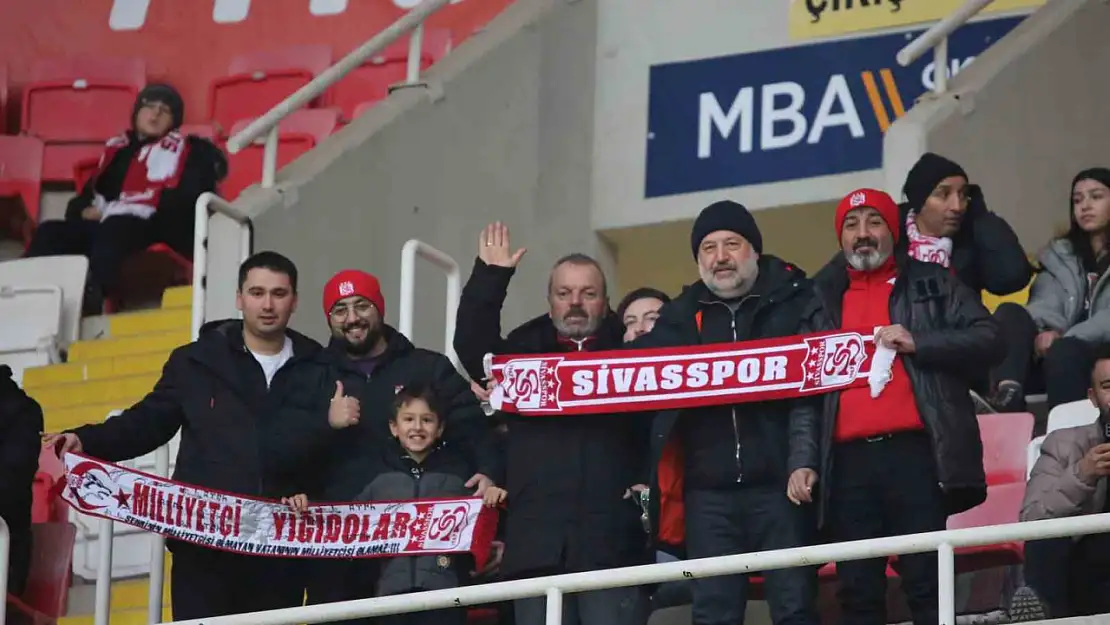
pixel 343 312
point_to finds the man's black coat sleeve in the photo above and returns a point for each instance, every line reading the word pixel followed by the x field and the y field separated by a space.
pixel 1000 260
pixel 478 320
pixel 466 424
pixel 144 427
pixel 20 440
pixel 970 341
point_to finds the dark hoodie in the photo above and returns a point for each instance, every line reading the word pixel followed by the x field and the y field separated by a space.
pixel 237 435
pixel 20 424
pixel 986 253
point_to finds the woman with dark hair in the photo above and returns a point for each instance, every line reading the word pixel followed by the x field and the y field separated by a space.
pixel 639 310
pixel 1069 305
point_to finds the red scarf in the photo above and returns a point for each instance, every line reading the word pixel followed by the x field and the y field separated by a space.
pixel 157 166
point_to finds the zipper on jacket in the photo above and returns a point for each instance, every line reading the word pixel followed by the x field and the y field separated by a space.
pixel 416 474
pixel 735 421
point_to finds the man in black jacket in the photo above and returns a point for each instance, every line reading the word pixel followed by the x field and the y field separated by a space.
pixel 732 459
pixel 373 361
pixel 901 462
pixel 20 428
pixel 144 191
pixel 568 478
pixel 252 400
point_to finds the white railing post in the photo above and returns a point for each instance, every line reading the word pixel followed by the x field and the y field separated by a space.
pixel 937 39
pixel 269 157
pixel 157 548
pixel 946 584
pixel 103 608
pixel 416 54
pixel 5 557
pixel 407 314
pixel 554 606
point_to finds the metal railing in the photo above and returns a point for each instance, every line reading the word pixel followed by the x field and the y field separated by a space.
pixel 554 587
pixel 267 125
pixel 412 249
pixel 937 39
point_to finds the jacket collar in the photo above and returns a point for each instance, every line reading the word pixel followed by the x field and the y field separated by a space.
pixel 220 341
pixel 539 335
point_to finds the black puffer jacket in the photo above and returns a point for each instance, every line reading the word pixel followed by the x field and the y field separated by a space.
pixel 20 443
pixel 744 443
pixel 467 428
pixel 956 340
pixel 236 435
pixel 566 475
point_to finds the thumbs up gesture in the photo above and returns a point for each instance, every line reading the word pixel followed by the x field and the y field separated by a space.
pixel 344 410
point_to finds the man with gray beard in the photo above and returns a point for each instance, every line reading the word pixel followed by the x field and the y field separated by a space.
pixel 720 470
pixel 901 462
pixel 570 478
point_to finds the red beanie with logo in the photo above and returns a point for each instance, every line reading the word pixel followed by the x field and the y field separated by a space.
pixel 352 282
pixel 870 198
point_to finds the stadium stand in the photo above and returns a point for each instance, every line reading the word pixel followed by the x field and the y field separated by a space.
pixel 75 105
pixel 298 133
pixel 257 81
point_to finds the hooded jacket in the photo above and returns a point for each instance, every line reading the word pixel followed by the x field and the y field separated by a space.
pixel 1057 298
pixel 20 444
pixel 467 429
pixel 236 435
pixel 565 475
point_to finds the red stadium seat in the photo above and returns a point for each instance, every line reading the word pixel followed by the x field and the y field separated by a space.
pixel 256 82
pixel 1003 505
pixel 3 98
pixel 21 178
pixel 84 170
pixel 1005 444
pixel 299 132
pixel 75 105
pixel 204 131
pixel 370 82
pixel 51 563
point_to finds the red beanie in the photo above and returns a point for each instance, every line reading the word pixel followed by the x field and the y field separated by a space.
pixel 870 198
pixel 351 282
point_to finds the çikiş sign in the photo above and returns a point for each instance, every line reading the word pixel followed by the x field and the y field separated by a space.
pixel 774 115
pixel 810 19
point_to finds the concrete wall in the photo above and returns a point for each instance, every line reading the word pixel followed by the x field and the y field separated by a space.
pixel 504 132
pixel 1023 119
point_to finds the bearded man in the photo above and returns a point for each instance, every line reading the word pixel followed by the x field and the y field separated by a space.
pixel 721 470
pixel 372 361
pixel 569 477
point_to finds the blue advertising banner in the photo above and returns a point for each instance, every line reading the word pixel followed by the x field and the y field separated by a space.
pixel 789 113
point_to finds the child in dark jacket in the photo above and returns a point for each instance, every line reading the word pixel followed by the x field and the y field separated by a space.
pixel 418 464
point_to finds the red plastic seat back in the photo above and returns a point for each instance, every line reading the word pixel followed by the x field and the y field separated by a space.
pixel 370 82
pixel 256 82
pixel 21 171
pixel 51 563
pixel 3 98
pixel 299 132
pixel 81 99
pixel 1005 445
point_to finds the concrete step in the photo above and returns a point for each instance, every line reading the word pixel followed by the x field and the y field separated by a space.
pixel 128 345
pixel 120 390
pixel 149 322
pixel 100 369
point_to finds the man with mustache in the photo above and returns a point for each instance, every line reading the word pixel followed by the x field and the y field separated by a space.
pixel 901 462
pixel 372 361
pixel 1069 576
pixel 720 470
pixel 569 478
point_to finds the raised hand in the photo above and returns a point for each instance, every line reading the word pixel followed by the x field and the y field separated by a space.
pixel 344 410
pixel 495 249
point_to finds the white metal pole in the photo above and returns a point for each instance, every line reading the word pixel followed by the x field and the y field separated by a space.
pixel 940 67
pixel 554 606
pixel 416 53
pixel 946 584
pixel 157 548
pixel 200 261
pixel 940 30
pixel 408 287
pixel 269 157
pixel 103 608
pixel 454 290
pixel 5 553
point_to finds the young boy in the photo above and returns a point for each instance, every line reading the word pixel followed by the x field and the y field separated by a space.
pixel 419 465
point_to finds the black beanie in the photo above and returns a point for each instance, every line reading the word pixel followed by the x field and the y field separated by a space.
pixel 726 215
pixel 166 95
pixel 925 175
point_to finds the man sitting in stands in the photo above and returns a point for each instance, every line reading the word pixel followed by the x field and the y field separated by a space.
pixel 1070 576
pixel 144 191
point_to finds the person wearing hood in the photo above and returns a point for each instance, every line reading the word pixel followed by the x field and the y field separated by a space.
pixel 1068 311
pixel 374 361
pixel 143 192
pixel 257 409
pixel 570 479
pixel 20 428
pixel 1070 576
pixel 945 220
pixel 902 461
pixel 718 472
